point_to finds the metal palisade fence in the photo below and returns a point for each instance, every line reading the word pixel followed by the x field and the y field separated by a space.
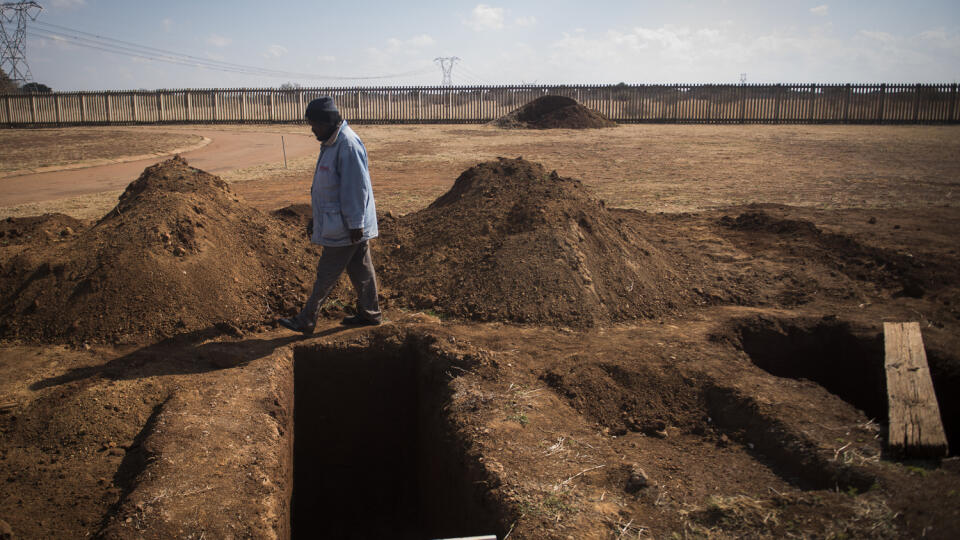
pixel 677 103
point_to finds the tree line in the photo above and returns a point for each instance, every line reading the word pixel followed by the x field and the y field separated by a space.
pixel 8 86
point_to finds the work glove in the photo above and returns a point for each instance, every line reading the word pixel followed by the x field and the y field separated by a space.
pixel 310 228
pixel 355 235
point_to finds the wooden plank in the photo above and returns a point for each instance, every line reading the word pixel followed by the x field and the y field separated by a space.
pixel 915 426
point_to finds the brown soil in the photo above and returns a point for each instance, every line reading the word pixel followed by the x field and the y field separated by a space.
pixel 180 252
pixel 512 242
pixel 552 112
pixel 43 229
pixel 744 398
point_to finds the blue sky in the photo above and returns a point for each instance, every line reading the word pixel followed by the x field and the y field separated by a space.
pixel 346 43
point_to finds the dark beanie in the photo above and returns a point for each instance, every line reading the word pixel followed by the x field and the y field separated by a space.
pixel 322 109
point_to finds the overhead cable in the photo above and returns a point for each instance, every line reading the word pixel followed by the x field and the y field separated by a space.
pixel 116 46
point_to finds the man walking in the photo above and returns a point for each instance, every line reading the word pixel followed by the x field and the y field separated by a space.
pixel 344 218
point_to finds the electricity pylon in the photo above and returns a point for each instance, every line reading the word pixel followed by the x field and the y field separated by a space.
pixel 446 65
pixel 13 40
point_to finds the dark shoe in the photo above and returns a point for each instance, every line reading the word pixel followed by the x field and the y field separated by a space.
pixel 356 320
pixel 292 325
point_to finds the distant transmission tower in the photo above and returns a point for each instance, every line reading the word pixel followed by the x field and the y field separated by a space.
pixel 446 65
pixel 743 78
pixel 13 47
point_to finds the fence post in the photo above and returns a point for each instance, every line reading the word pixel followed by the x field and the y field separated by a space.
pixel 189 106
pixel 83 108
pixel 813 94
pixel 33 109
pixel 159 107
pixel 676 102
pixel 106 98
pixel 846 104
pixel 216 105
pixel 883 92
pixel 776 104
pixel 610 103
pixel 56 105
pixel 300 103
pixel 916 105
pixel 743 102
pixel 243 106
pixel 953 102
pixel 133 106
pixel 6 100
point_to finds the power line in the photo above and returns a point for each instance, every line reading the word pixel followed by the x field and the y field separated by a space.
pixel 127 48
pixel 471 75
pixel 13 50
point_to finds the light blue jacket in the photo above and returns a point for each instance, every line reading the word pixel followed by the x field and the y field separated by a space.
pixel 341 195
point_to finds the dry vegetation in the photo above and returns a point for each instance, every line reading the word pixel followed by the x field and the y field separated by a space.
pixel 38 148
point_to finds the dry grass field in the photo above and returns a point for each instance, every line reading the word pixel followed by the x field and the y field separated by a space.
pixel 669 168
pixel 43 148
pixel 747 400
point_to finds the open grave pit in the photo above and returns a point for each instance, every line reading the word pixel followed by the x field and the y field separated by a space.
pixel 375 455
pixel 845 359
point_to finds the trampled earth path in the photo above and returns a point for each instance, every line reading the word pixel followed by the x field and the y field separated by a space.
pixel 226 151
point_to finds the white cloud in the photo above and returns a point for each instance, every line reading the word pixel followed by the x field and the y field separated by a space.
pixel 423 40
pixel 219 41
pixel 877 36
pixel 719 53
pixel 401 47
pixel 275 51
pixel 821 10
pixel 524 22
pixel 484 17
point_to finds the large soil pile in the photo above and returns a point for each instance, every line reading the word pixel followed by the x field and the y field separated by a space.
pixel 511 241
pixel 180 252
pixel 550 112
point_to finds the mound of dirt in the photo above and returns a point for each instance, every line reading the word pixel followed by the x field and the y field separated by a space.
pixel 512 242
pixel 46 228
pixel 550 112
pixel 179 252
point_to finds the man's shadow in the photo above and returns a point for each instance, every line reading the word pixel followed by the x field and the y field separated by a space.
pixel 183 354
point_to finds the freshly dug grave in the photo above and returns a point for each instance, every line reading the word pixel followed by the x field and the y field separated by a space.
pixel 180 252
pixel 900 273
pixel 512 242
pixel 550 112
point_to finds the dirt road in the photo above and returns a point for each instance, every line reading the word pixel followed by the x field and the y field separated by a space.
pixel 227 150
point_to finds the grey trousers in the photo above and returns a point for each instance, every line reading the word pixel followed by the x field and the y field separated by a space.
pixel 355 259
